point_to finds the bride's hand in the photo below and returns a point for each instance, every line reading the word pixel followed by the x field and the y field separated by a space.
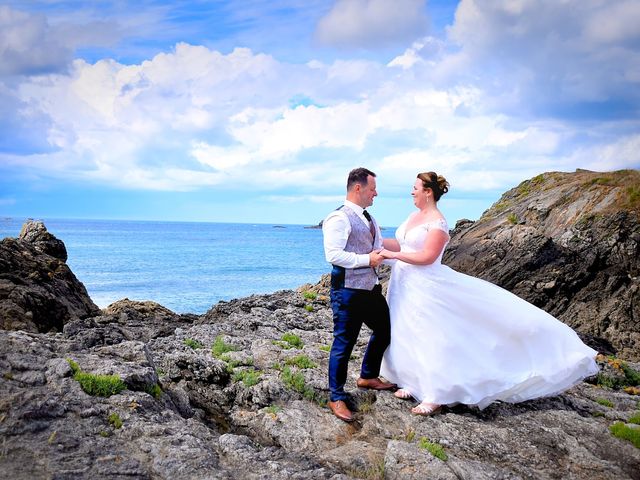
pixel 387 253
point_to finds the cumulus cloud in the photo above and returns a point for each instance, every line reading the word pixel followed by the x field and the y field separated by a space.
pixel 193 116
pixel 30 45
pixel 560 53
pixel 372 23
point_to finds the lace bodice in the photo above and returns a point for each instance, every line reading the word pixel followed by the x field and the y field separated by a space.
pixel 412 240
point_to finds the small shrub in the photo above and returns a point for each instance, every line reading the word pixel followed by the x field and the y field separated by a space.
pixel 524 188
pixel 375 471
pixel 100 385
pixel 512 218
pixel 501 206
pixel 104 433
pixel 115 420
pixel 293 340
pixel 296 381
pixel 634 194
pixel 325 348
pixel 633 376
pixel 308 308
pixel 604 402
pixel 635 418
pixel 597 414
pixel 219 347
pixel 194 344
pixel 620 430
pixel 411 434
pixel 434 448
pixel 365 406
pixel 154 390
pixel 272 409
pixel 75 368
pixel 248 377
pixel 310 295
pixel 600 181
pixel 300 361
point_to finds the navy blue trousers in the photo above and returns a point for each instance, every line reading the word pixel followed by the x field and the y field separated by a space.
pixel 351 308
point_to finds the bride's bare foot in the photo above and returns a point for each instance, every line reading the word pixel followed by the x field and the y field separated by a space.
pixel 403 393
pixel 426 409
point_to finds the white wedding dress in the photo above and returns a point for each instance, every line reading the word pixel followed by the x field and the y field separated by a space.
pixel 460 339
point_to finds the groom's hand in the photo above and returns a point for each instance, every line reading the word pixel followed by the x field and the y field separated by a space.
pixel 375 259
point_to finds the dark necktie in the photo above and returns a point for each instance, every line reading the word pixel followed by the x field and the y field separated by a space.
pixel 372 227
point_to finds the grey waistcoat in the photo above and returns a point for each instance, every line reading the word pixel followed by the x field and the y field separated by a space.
pixel 359 241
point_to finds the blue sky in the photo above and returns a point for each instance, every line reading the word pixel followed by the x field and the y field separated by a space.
pixel 255 110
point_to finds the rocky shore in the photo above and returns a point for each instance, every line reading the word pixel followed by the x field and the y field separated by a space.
pixel 240 392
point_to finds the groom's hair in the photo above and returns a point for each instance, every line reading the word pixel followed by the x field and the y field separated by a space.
pixel 358 175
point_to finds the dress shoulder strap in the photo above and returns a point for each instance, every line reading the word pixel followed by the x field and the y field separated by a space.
pixel 440 224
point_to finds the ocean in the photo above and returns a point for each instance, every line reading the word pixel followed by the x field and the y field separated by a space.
pixel 187 267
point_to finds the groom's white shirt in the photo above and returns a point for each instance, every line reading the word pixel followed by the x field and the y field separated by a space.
pixel 336 229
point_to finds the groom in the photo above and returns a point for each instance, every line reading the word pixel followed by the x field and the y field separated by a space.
pixel 352 241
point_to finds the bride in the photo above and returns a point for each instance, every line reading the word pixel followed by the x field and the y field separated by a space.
pixel 459 339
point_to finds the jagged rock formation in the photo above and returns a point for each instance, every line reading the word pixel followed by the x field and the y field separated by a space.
pixel 257 411
pixel 38 291
pixel 240 392
pixel 570 244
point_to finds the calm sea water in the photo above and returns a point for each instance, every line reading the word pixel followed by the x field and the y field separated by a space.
pixel 187 267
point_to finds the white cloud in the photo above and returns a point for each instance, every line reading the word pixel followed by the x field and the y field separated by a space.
pixel 553 53
pixel 28 44
pixel 194 117
pixel 372 23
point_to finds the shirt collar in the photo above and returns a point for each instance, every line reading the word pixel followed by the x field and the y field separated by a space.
pixel 356 208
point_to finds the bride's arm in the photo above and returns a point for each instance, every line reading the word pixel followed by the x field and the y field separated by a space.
pixel 433 245
pixel 391 244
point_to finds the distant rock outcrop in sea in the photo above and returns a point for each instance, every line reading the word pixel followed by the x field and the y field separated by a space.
pixel 136 390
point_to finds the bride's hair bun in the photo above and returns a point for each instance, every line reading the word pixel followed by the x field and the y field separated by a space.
pixel 437 183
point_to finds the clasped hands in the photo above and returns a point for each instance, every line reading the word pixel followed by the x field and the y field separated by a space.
pixel 377 256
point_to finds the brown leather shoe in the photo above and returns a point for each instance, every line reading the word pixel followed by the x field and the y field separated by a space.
pixel 340 410
pixel 375 384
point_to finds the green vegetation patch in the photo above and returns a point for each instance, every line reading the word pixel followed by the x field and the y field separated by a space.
pixel 219 347
pixel 635 418
pixel 435 449
pixel 604 402
pixel 631 377
pixel 290 340
pixel 249 377
pixel 115 421
pixel 601 181
pixel 154 390
pixel 512 218
pixel 374 471
pixel 191 343
pixel 308 308
pixel 75 368
pixel 625 432
pixel 633 193
pixel 272 409
pixel 295 381
pixel 300 361
pixel 100 385
pixel 310 295
pixel 325 348
pixel 96 385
